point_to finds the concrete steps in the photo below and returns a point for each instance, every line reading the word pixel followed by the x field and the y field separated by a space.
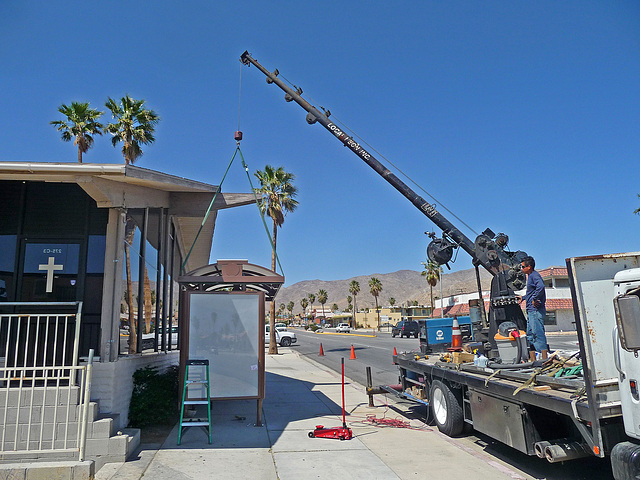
pixel 48 422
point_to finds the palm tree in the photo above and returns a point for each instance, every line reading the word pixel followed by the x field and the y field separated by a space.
pixel 148 312
pixel 392 301
pixel 432 272
pixel 334 307
pixel 281 309
pixel 375 288
pixel 277 198
pixel 354 289
pixel 134 126
pixel 304 303
pixel 322 298
pixel 130 229
pixel 290 306
pixel 312 298
pixel 81 124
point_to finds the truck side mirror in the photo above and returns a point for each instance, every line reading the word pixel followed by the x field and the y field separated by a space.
pixel 627 309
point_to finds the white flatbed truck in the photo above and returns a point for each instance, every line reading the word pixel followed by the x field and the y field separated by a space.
pixel 555 418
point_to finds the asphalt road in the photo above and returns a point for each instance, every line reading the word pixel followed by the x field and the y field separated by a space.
pixel 377 351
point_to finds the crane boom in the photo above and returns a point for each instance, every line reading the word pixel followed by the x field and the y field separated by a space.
pixel 487 250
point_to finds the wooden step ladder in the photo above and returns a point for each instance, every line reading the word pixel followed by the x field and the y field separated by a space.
pixel 186 400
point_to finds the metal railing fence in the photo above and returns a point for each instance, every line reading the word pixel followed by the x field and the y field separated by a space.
pixel 39 338
pixel 45 403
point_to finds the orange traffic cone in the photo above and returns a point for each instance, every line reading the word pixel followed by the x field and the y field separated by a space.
pixel 395 352
pixel 353 353
pixel 321 354
pixel 456 336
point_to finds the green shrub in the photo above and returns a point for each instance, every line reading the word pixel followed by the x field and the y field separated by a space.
pixel 314 327
pixel 154 400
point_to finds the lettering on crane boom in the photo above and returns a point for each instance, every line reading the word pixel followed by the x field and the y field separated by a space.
pixel 348 141
pixel 429 209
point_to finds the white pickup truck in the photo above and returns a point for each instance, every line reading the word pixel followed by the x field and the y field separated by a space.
pixel 283 337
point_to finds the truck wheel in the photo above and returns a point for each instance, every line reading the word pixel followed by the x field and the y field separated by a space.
pixel 415 335
pixel 393 335
pixel 286 342
pixel 446 409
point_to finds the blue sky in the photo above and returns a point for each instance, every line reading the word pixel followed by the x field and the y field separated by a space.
pixel 518 116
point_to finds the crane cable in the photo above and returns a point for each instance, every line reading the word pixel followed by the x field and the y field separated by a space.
pixel 253 190
pixel 246 169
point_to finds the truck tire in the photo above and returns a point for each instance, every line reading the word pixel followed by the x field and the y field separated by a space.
pixel 285 342
pixel 393 335
pixel 415 335
pixel 446 408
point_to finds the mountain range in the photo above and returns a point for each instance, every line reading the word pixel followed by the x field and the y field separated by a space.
pixel 404 286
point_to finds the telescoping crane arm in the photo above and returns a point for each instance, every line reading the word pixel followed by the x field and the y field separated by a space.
pixel 487 250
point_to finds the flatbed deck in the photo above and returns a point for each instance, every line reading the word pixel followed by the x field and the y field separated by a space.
pixel 565 396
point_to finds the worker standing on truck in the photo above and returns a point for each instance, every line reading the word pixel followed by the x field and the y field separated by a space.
pixel 535 298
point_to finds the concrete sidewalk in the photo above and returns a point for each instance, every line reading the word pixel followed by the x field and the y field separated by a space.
pixel 301 394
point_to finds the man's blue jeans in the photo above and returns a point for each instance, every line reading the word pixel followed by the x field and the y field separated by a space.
pixel 535 330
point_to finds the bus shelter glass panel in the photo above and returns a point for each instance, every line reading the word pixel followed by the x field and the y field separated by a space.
pixel 224 328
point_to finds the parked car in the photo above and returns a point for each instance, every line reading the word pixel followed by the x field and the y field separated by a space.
pixel 283 337
pixel 405 328
pixel 149 339
pixel 343 328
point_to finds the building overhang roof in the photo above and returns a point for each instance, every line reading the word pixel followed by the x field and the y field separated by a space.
pixel 129 186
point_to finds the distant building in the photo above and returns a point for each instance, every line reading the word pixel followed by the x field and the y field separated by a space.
pixel 368 318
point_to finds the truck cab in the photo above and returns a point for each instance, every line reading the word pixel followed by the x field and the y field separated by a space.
pixel 626 344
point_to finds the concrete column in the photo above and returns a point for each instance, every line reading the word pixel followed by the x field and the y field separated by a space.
pixel 112 286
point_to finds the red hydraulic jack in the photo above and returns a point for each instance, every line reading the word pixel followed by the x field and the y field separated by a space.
pixel 343 432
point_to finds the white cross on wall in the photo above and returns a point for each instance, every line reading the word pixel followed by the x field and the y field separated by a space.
pixel 50 268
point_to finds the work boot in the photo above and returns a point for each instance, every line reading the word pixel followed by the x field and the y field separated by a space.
pixel 545 354
pixel 532 355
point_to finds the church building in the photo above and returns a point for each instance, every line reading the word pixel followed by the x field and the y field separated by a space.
pixel 113 238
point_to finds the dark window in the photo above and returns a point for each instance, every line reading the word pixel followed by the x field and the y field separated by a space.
pixel 95 253
pixel 55 209
pixel 10 194
pixel 550 318
pixel 7 265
